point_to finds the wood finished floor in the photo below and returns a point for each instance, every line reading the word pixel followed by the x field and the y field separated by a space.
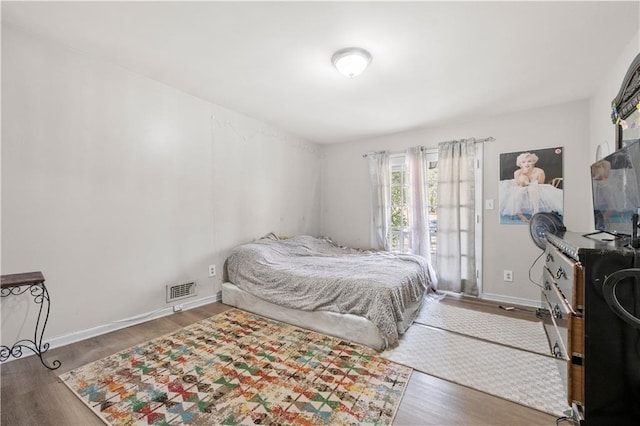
pixel 32 395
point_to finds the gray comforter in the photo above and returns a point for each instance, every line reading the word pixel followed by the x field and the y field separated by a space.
pixel 310 273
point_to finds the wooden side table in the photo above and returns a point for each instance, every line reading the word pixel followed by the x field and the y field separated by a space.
pixel 17 284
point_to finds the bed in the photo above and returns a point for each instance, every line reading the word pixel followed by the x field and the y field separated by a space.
pixel 366 297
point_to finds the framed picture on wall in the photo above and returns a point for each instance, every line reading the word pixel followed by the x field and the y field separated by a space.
pixel 530 182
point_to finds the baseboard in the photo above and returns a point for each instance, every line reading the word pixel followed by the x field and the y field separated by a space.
pixel 77 336
pixel 512 300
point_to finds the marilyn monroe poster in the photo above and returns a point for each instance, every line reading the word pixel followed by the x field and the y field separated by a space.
pixel 530 182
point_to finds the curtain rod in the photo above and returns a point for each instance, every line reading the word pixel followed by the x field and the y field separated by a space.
pixel 487 139
pixel 373 152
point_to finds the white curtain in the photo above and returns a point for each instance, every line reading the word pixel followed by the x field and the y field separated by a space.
pixel 456 261
pixel 380 199
pixel 417 175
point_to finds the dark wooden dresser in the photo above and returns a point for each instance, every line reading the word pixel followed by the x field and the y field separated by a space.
pixel 601 352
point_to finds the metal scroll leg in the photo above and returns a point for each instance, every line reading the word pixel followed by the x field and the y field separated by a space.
pixel 40 295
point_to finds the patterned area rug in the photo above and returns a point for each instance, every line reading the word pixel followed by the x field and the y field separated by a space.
pixel 514 332
pixel 239 368
pixel 517 375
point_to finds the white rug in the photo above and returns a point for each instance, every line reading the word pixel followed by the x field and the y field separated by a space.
pixel 514 332
pixel 517 375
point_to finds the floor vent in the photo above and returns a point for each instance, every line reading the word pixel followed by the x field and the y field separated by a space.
pixel 180 291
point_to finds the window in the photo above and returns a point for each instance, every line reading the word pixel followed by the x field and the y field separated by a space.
pixel 400 203
pixel 432 190
pixel 392 207
pixel 399 214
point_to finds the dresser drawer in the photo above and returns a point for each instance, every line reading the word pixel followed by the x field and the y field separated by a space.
pixel 560 306
pixel 566 345
pixel 575 392
pixel 556 332
pixel 576 335
pixel 547 282
pixel 567 274
pixel 576 362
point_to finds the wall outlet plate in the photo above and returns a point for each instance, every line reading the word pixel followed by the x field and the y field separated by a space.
pixel 507 275
pixel 212 270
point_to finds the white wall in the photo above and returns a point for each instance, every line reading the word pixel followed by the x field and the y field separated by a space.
pixel 345 193
pixel 114 185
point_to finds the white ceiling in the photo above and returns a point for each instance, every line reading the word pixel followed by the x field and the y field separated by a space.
pixel 433 62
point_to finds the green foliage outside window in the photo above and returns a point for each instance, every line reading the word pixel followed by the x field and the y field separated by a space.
pixel 432 179
pixel 399 216
pixel 400 234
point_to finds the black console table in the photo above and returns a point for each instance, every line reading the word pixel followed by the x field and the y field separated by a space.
pixel 17 284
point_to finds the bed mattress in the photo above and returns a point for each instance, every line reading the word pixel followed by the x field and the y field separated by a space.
pixel 350 327
pixel 308 274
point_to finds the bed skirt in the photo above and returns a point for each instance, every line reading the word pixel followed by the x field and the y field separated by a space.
pixel 350 327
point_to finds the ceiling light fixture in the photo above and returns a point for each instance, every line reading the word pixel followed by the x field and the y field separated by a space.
pixel 351 61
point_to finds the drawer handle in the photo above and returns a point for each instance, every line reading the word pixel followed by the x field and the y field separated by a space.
pixel 550 258
pixel 576 359
pixel 561 273
pixel 557 313
pixel 542 313
pixel 556 351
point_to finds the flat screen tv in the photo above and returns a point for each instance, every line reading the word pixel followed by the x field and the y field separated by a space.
pixel 615 183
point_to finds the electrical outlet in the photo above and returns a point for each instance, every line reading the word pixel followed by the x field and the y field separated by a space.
pixel 212 270
pixel 177 308
pixel 507 275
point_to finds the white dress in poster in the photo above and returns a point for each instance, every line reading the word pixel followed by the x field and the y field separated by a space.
pixel 530 182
